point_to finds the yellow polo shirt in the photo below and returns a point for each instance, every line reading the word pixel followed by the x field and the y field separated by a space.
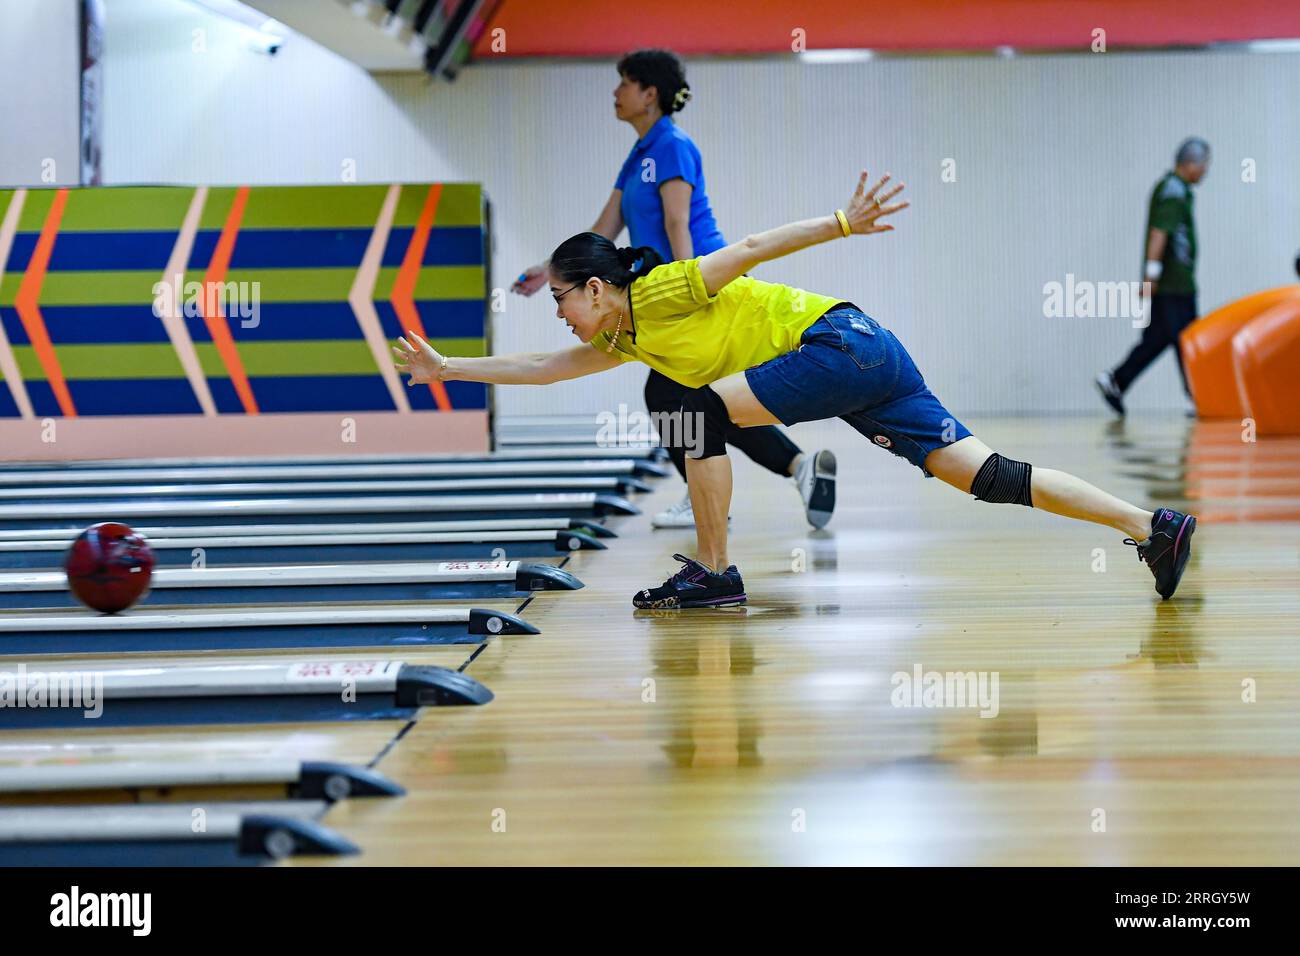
pixel 695 338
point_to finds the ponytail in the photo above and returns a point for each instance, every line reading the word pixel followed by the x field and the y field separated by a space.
pixel 590 254
pixel 639 261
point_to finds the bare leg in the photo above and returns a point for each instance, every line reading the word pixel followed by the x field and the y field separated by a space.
pixel 709 480
pixel 1056 491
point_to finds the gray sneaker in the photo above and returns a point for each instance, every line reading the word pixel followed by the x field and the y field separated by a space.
pixel 815 479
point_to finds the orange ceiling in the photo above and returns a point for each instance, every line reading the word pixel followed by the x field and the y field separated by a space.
pixel 605 28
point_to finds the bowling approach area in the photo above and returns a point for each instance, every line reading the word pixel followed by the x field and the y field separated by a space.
pixel 511 708
pixel 297 619
pixel 579 434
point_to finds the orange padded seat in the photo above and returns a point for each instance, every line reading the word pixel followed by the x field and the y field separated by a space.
pixel 1207 351
pixel 1266 356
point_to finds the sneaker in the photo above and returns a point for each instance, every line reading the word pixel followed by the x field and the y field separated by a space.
pixel 694 586
pixel 1110 392
pixel 680 515
pixel 1167 550
pixel 815 479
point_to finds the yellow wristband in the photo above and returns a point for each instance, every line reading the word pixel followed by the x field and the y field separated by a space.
pixel 844 223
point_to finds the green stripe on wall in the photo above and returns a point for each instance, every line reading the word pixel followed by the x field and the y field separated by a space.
pixel 106 209
pixel 459 205
pixel 217 207
pixel 133 360
pixel 281 207
pixel 463 348
pixel 333 285
pixel 124 209
pixel 35 208
pixel 127 208
pixel 437 282
pixel 135 287
pixel 127 287
pixel 260 359
pixel 451 282
pixel 434 284
pixel 326 357
pixel 409 204
pixel 296 285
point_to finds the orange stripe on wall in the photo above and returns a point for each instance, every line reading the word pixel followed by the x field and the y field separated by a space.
pixel 218 328
pixel 403 297
pixel 25 304
pixel 584 27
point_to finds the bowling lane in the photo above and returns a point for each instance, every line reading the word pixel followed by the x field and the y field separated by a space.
pixel 293 510
pixel 639 454
pixel 183 547
pixel 509 524
pixel 118 476
pixel 335 567
pixel 307 490
pixel 95 695
pixel 309 584
pixel 27 633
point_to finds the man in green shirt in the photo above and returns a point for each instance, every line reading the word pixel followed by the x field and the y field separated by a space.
pixel 1170 268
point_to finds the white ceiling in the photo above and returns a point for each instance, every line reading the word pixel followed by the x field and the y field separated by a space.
pixel 334 24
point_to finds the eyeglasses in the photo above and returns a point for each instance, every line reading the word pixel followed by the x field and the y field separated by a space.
pixel 557 296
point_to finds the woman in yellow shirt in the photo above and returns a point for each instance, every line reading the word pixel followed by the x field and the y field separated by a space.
pixel 660 197
pixel 758 353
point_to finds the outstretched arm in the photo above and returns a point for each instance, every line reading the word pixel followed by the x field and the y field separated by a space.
pixel 426 364
pixel 864 210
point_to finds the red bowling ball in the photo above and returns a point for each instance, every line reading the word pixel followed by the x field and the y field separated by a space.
pixel 109 567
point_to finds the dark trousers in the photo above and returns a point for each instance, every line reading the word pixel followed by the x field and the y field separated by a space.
pixel 765 444
pixel 1170 314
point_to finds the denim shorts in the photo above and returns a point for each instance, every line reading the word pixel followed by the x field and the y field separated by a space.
pixel 849 366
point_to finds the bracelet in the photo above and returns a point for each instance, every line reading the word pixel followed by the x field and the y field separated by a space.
pixel 1154 269
pixel 442 372
pixel 844 223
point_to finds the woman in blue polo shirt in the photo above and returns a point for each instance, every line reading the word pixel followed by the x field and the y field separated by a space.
pixel 659 194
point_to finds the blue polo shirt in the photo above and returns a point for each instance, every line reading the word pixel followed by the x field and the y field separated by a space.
pixel 665 153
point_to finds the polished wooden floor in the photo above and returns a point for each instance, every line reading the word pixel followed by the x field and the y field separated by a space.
pixel 1129 731
pixel 766 734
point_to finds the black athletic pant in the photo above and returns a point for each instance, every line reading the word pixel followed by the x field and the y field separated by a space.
pixel 1170 314
pixel 765 444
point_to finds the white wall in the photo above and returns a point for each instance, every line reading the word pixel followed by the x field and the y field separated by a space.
pixel 1055 157
pixel 40 92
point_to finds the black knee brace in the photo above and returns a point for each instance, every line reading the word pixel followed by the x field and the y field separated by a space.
pixel 705 421
pixel 1003 481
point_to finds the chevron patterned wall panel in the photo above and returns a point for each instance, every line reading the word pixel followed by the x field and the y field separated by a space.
pixel 286 301
pixel 237 320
